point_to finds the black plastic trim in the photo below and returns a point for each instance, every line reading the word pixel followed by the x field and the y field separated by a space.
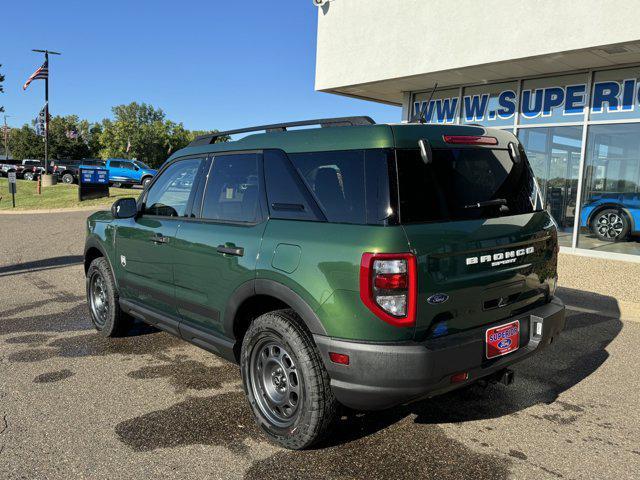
pixel 291 298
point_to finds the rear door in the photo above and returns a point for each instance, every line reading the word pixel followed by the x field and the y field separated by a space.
pixel 216 252
pixel 116 171
pixel 146 245
pixel 486 250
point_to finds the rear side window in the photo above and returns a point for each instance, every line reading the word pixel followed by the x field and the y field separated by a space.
pixel 464 184
pixel 349 186
pixel 288 197
pixel 233 190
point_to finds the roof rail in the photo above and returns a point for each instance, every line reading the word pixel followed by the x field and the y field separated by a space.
pixel 282 127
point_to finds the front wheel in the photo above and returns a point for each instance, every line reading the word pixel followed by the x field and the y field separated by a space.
pixel 610 225
pixel 102 296
pixel 146 181
pixel 28 176
pixel 285 381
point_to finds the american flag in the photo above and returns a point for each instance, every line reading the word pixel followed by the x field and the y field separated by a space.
pixel 40 74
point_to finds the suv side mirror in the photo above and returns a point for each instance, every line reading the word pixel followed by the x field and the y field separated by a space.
pixel 124 208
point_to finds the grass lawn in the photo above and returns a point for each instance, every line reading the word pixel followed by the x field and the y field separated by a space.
pixel 58 196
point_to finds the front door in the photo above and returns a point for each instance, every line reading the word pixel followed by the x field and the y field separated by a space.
pixel 216 252
pixel 146 244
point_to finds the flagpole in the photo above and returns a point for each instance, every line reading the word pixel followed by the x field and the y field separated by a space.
pixel 46 115
pixel 46 107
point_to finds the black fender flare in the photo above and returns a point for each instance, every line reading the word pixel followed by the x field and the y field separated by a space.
pixel 94 242
pixel 276 290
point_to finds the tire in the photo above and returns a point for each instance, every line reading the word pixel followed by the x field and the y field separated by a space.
pixel 146 181
pixel 285 381
pixel 68 178
pixel 610 225
pixel 109 321
pixel 28 176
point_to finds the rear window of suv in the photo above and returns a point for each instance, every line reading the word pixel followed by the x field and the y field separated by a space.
pixel 464 184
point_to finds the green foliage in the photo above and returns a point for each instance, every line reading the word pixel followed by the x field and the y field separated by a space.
pixel 146 132
pixel 149 135
pixel 24 143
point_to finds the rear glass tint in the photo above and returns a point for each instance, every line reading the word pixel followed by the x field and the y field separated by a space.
pixel 464 184
pixel 349 186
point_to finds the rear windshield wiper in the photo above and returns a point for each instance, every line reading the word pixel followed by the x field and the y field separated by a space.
pixel 488 203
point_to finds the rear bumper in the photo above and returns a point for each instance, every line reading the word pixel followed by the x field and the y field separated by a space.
pixel 382 375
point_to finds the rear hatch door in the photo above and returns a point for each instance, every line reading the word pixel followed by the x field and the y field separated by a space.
pixel 486 250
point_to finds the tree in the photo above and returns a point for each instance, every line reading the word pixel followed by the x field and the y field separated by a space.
pixel 68 138
pixel 142 131
pixel 24 143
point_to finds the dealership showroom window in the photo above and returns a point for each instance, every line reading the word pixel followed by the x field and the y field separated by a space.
pixel 561 119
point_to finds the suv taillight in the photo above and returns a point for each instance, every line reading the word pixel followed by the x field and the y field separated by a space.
pixel 388 286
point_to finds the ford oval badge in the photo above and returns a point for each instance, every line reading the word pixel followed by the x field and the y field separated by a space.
pixel 504 343
pixel 438 298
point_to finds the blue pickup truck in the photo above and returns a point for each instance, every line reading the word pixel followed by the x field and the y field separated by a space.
pixel 129 172
pixel 612 216
pixel 122 172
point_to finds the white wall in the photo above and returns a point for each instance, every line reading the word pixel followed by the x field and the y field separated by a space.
pixel 361 41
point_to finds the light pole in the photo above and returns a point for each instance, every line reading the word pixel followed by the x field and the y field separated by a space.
pixel 6 138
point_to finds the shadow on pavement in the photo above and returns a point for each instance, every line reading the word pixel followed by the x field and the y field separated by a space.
pixel 39 265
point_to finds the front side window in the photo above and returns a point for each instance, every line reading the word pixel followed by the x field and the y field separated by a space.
pixel 233 189
pixel 128 166
pixel 169 195
pixel 115 164
pixel 142 164
pixel 464 184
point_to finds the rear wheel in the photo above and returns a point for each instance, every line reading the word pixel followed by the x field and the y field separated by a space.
pixel 28 176
pixel 610 225
pixel 285 381
pixel 102 296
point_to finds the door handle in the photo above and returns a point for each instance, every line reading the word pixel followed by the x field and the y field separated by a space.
pixel 237 251
pixel 159 239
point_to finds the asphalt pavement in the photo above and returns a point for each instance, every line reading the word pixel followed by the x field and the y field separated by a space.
pixel 75 405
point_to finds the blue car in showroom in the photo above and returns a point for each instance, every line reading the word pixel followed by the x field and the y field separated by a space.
pixel 126 173
pixel 611 216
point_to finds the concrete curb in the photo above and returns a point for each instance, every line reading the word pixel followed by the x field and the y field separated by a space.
pixel 95 208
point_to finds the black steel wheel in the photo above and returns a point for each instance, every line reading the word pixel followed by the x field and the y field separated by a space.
pixel 610 225
pixel 103 299
pixel 286 383
pixel 275 382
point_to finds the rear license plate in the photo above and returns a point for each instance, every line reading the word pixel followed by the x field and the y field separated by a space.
pixel 503 339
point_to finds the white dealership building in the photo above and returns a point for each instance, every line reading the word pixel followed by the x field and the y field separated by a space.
pixel 564 76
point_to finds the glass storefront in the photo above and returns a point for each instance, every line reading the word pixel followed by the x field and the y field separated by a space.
pixel 552 116
pixel 611 191
pixel 554 154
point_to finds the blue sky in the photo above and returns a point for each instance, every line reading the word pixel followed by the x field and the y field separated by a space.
pixel 208 64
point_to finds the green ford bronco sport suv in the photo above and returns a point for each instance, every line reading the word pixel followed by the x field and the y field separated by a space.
pixel 363 265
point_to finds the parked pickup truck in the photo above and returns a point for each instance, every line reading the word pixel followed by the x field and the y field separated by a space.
pixel 27 169
pixel 126 173
pixel 68 171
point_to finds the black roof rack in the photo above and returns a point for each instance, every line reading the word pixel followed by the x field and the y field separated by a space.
pixel 282 127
